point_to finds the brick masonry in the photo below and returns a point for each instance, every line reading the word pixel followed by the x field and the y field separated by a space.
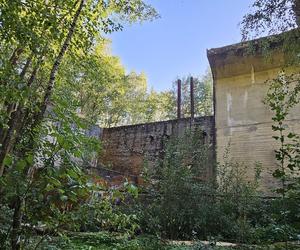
pixel 126 149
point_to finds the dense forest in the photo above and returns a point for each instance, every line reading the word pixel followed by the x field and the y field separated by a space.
pixel 58 78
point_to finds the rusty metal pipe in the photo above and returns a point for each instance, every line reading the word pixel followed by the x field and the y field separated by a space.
pixel 178 99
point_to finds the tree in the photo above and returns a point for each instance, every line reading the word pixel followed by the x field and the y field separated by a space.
pixel 271 16
pixel 96 78
pixel 284 95
pixel 109 97
pixel 36 37
pixel 279 16
pixel 106 95
pixel 47 32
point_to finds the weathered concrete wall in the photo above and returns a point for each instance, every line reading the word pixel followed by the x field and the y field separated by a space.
pixel 242 120
pixel 127 148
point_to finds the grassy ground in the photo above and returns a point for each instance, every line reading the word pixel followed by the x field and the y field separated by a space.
pixel 103 240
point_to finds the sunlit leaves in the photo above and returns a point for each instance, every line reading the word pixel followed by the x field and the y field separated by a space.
pixel 283 96
pixel 44 175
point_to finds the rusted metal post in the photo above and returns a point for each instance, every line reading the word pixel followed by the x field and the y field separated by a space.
pixel 192 97
pixel 178 99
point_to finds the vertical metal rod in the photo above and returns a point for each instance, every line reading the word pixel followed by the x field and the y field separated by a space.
pixel 192 97
pixel 178 99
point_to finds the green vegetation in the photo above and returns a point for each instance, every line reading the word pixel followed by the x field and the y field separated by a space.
pixel 58 79
pixel 187 204
pixel 109 241
pixel 271 17
pixel 202 96
pixel 180 205
pixel 42 135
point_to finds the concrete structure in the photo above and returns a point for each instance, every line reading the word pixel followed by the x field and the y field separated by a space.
pixel 126 149
pixel 242 120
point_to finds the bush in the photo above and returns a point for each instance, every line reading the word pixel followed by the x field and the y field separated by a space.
pixel 101 213
pixel 182 202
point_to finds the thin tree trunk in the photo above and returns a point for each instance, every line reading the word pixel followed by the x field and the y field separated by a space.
pixel 16 225
pixel 57 63
pixel 26 66
pixel 15 55
pixel 15 122
pixel 12 106
pixel 8 140
pixel 37 118
pixel 17 218
pixel 13 60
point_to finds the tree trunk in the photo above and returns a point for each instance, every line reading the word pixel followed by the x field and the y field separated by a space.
pixel 13 60
pixel 12 106
pixel 57 63
pixel 40 114
pixel 8 140
pixel 15 55
pixel 14 125
pixel 17 217
pixel 16 225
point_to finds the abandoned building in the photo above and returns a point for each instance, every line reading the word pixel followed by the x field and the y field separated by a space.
pixel 241 120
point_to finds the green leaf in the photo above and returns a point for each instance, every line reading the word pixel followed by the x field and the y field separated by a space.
pixel 63 198
pixel 54 181
pixel 8 160
pixel 21 165
pixel 278 173
pixel 72 174
pixel 30 159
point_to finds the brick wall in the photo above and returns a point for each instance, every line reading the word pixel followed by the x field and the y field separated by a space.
pixel 127 148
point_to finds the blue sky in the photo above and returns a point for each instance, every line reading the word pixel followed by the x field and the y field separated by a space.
pixel 175 45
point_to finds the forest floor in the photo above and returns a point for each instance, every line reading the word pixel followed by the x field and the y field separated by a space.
pixel 107 241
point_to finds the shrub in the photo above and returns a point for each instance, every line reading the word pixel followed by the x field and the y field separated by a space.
pixel 184 203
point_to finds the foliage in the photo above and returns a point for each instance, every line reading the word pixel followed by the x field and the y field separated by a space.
pixel 202 94
pixel 179 176
pixel 271 16
pixel 109 97
pixel 183 203
pixel 103 240
pixel 43 141
pixel 103 211
pixel 53 187
pixel 106 95
pixel 282 98
pixel 5 219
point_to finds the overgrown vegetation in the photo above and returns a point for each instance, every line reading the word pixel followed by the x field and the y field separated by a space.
pixel 57 80
pixel 203 96
pixel 282 97
pixel 180 205
pixel 270 17
pixel 42 136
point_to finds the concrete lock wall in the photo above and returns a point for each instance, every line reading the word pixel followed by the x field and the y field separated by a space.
pixel 127 148
pixel 242 121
